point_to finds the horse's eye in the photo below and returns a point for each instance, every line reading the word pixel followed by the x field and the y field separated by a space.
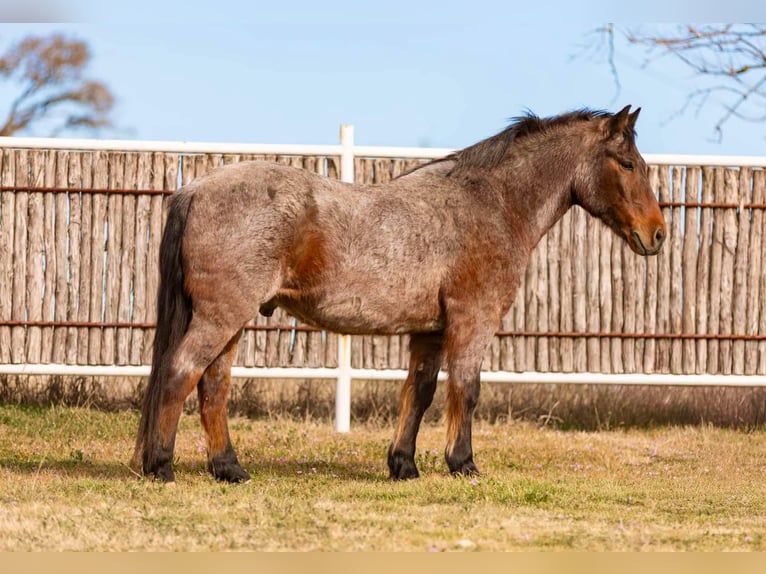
pixel 626 165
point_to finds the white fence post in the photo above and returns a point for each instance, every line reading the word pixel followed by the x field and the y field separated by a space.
pixel 347 153
pixel 343 384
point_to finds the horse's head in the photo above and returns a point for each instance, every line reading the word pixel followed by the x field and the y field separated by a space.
pixel 614 186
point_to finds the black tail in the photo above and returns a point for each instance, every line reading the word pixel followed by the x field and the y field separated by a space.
pixel 173 316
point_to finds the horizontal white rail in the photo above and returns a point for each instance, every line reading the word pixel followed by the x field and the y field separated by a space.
pixel 330 150
pixel 400 375
pixel 702 160
pixel 166 146
pixel 402 152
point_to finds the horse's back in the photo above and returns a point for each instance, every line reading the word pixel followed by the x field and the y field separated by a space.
pixel 254 181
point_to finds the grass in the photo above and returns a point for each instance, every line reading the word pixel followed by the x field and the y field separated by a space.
pixel 64 485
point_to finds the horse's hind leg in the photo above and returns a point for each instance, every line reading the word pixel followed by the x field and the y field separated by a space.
pixel 213 391
pixel 203 342
pixel 417 394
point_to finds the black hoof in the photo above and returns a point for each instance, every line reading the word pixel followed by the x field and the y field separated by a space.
pixel 225 467
pixel 401 466
pixel 162 467
pixel 229 473
pixel 163 473
pixel 463 468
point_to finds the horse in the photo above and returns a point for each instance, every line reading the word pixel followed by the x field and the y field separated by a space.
pixel 437 253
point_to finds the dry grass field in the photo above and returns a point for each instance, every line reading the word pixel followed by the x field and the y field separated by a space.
pixel 65 485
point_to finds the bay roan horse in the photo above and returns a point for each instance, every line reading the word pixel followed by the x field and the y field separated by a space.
pixel 437 253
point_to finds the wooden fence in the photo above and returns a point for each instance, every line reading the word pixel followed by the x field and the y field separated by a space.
pixel 79 239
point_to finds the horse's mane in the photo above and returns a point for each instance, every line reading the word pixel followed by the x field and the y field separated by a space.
pixel 490 152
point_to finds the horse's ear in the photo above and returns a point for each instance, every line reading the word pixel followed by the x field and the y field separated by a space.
pixel 619 121
pixel 632 118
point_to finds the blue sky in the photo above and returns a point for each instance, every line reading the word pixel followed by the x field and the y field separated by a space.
pixel 406 74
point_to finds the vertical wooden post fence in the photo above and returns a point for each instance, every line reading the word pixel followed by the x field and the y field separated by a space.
pixel 81 220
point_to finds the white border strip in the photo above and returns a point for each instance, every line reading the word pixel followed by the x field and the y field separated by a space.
pixel 400 375
pixel 330 150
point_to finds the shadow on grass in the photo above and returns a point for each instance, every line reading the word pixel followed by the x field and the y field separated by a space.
pixel 324 469
pixel 70 468
pixel 259 470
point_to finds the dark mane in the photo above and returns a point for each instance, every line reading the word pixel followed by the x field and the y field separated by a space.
pixel 490 152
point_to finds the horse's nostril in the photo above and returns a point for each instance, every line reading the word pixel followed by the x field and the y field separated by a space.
pixel 659 236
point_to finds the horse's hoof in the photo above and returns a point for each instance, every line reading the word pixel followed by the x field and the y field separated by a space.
pixel 233 474
pixel 161 473
pixel 160 467
pixel 226 471
pixel 465 468
pixel 401 467
pixel 225 467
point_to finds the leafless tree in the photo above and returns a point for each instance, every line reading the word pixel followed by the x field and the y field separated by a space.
pixel 728 61
pixel 47 76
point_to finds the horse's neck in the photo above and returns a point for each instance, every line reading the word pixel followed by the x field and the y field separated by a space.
pixel 538 187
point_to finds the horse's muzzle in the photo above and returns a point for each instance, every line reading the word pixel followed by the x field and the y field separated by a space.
pixel 647 243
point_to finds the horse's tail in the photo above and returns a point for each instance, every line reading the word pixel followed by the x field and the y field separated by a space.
pixel 173 316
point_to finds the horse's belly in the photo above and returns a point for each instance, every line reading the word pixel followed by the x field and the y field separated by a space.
pixel 369 315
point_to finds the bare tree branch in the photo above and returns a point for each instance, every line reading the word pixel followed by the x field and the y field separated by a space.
pixel 728 60
pixel 612 66
pixel 602 40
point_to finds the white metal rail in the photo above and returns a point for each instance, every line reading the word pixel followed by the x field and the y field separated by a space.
pixel 348 373
pixel 329 149
pixel 344 373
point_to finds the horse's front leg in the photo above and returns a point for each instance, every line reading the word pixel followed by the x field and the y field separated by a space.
pixel 466 342
pixel 417 394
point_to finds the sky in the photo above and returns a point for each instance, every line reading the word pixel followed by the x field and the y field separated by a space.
pixel 403 73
